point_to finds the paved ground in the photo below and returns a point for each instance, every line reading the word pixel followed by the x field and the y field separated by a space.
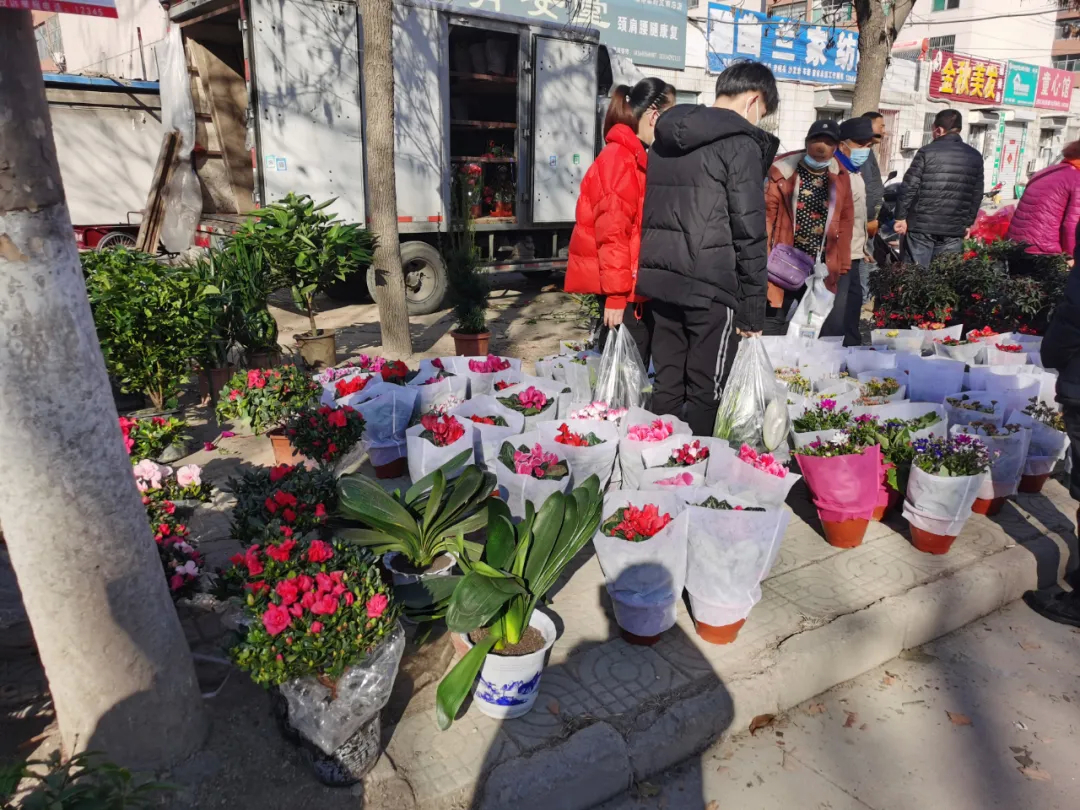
pixel 987 717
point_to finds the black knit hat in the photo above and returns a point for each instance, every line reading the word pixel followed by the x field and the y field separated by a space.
pixel 857 129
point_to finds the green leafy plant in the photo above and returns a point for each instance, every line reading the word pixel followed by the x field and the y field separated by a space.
pixel 151 437
pixel 266 397
pixel 422 523
pixel 324 433
pixel 504 584
pixel 292 496
pixel 469 287
pixel 306 248
pixel 85 781
pixel 149 321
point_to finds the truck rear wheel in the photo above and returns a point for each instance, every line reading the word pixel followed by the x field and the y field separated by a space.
pixel 425 278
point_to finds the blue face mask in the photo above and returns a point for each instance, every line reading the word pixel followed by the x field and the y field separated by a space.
pixel 859 156
pixel 817 165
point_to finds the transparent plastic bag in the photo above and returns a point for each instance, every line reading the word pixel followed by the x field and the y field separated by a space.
pixel 753 409
pixel 622 380
pixel 183 195
pixel 815 306
pixel 1008 455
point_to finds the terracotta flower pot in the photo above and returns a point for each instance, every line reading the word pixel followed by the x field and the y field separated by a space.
pixel 930 543
pixel 460 645
pixel 212 380
pixel 319 350
pixel 395 469
pixel 880 512
pixel 1032 484
pixel 471 345
pixel 264 359
pixel 638 641
pixel 988 506
pixel 284 452
pixel 845 533
pixel 723 634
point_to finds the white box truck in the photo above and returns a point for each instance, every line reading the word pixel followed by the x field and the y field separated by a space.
pixel 503 106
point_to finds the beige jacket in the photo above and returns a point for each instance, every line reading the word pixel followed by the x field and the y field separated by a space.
pixel 858 231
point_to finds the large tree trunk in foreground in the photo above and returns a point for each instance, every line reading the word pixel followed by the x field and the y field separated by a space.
pixel 877 32
pixel 119 670
pixel 381 191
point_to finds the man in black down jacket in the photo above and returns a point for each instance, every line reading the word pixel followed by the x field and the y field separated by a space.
pixel 703 246
pixel 1061 351
pixel 943 190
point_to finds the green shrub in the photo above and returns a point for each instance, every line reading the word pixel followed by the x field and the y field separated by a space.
pixel 290 496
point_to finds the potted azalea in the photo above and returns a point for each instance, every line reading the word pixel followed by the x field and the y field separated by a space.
pixel 526 472
pixel 182 563
pixel 494 606
pixel 821 421
pixel 1049 443
pixel 321 632
pixel 160 438
pixel 1008 448
pixel 492 424
pixel 531 402
pixel 946 475
pixel 261 399
pixel 642 551
pixel 435 441
pixel 845 477
pixel 296 497
pixel 184 487
pixel 322 434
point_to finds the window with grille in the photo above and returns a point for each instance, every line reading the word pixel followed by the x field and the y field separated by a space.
pixel 928 127
pixel 945 5
pixel 834 11
pixel 1066 61
pixel 49 45
pixel 946 43
pixel 830 115
pixel 793 11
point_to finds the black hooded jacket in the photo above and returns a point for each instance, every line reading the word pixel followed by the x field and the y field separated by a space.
pixel 943 188
pixel 703 226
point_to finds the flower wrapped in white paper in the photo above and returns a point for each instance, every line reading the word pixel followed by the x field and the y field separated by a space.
pixel 968 353
pixel 640 430
pixel 755 480
pixel 974 406
pixel 1008 448
pixel 1048 446
pixel 997 357
pixel 869 359
pixel 386 417
pixel 941 505
pixel 488 438
pixel 931 379
pixel 1013 392
pixel 843 392
pixel 553 403
pixel 644 578
pixel 598 460
pixel 516 487
pixel 439 395
pixel 482 372
pixel 435 441
pixel 932 335
pixel 893 374
pixel 908 411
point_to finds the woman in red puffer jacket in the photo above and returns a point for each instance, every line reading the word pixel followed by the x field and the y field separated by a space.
pixel 607 234
pixel 1048 213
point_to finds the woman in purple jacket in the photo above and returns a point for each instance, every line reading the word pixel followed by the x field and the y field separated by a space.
pixel 1049 212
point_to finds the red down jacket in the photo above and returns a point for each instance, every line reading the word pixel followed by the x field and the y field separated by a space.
pixel 606 241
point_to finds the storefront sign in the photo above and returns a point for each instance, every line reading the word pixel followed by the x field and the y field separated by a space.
pixel 955 77
pixel 89 8
pixel 1055 89
pixel 792 49
pixel 1021 83
pixel 648 32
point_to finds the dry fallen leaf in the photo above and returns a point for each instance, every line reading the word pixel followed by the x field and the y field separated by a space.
pixel 1038 774
pixel 815 708
pixel 852 718
pixel 1030 645
pixel 959 719
pixel 553 707
pixel 713 805
pixel 760 722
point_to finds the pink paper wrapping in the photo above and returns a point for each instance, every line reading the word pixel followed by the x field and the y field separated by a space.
pixel 844 487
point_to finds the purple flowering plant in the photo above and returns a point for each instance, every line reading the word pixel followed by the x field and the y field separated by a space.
pixel 823 416
pixel 952 457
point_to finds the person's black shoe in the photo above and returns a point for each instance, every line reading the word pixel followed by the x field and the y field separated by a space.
pixel 1056 605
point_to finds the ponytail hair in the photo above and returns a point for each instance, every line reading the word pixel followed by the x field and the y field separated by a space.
pixel 628 104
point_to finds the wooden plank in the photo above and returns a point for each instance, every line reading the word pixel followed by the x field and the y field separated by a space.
pixel 150 228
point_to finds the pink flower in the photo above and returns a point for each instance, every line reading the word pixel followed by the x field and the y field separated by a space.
pixel 325 606
pixel 532 397
pixel 227 434
pixel 657 431
pixel 681 480
pixel 534 462
pixel 208 446
pixel 489 365
pixel 319 551
pixel 275 619
pixel 316 627
pixel 377 605
pixel 189 475
pixel 765 462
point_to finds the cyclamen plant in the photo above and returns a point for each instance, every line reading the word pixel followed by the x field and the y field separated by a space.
pixel 366 364
pixel 394 371
pixel 534 462
pixel 713 503
pixel 1012 348
pixel 489 419
pixel 576 439
pixel 823 416
pixel 765 462
pixel 951 457
pixel 529 402
pixel 599 410
pixel 502 385
pixel 655 431
pixel 688 455
pixel 489 365
pixel 150 438
pixel 353 385
pixel 1045 414
pixel 634 524
pixel 314 608
pixel 441 431
pixel 324 433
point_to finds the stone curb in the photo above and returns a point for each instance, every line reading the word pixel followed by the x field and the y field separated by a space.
pixel 598 762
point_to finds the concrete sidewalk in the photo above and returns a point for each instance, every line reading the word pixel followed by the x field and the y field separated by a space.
pixel 610 714
pixel 986 717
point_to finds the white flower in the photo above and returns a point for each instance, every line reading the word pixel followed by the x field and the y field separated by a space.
pixel 840 438
pixel 189 569
pixel 189 475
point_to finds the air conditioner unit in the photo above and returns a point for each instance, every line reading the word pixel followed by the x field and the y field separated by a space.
pixel 912 139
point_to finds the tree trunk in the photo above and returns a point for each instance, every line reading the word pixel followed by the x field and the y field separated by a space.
pixel 120 672
pixel 877 32
pixel 381 192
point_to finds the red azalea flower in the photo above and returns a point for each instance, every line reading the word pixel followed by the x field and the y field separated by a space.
pixel 288 515
pixel 281 552
pixel 323 582
pixel 276 619
pixel 296 610
pixel 324 410
pixel 316 627
pixel 325 606
pixel 176 582
pixel 319 551
pixel 271 507
pixel 288 591
pixel 251 560
pixel 336 419
pixel 283 498
pixel 280 471
pixel 345 387
pixel 320 510
pixel 257 587
pixel 377 605
pixel 234 395
pixel 305 583
pixel 256 379
pixel 308 599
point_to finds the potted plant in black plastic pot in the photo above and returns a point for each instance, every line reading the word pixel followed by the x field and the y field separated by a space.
pixel 308 249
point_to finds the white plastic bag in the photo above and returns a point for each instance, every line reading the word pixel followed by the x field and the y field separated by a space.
pixel 556 405
pixel 622 380
pixel 487 439
pixel 631 466
pixel 183 202
pixel 1008 455
pixel 645 580
pixel 753 408
pixel 933 379
pixel 940 505
pixel 959 415
pixel 386 417
pixel 877 360
pixel 598 460
pixel 1045 441
pixel 517 488
pixel 815 306
pixel 729 553
pixel 969 353
pixel 441 396
pixel 426 457
pixel 743 480
pixel 996 357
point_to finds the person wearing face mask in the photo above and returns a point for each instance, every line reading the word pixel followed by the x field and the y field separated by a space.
pixel 857 135
pixel 606 240
pixel 808 206
pixel 703 239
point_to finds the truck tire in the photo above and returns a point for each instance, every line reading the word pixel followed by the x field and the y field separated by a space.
pixel 425 278
pixel 353 290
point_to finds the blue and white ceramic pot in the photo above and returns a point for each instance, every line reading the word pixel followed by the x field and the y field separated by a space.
pixel 508 685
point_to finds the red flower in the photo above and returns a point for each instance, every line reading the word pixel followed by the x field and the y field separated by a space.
pixel 280 553
pixel 319 551
pixel 208 446
pixel 271 507
pixel 176 582
pixel 236 559
pixel 640 524
pixel 394 370
pixel 308 599
pixel 324 410
pixel 316 627
pixel 350 386
pixel 169 507
pixel 296 610
pixel 323 582
pixel 288 591
pixel 483 420
pixel 275 619
pixel 288 515
pixel 280 471
pixel 325 606
pixel 286 531
pixel 320 510
pixel 971 254
pixel 234 395
pixel 256 379
pixel 257 587
pixel 573 439
pixel 444 430
pixel 251 560
pixel 336 419
pixel 349 598
pixel 284 498
pixel 376 605
pixel 305 583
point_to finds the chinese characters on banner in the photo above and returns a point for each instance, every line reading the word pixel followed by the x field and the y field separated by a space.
pixel 793 50
pixel 1021 83
pixel 1054 91
pixel 648 32
pixel 965 78
pixel 90 8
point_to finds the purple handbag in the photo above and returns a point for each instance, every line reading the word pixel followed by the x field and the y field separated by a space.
pixel 789 267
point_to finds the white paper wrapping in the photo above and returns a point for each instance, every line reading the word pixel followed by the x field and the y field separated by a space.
pixel 900 377
pixel 931 379
pixel 1008 456
pixel 441 396
pixel 584 461
pixel 1045 441
pixel 630 463
pixel 907 411
pixel 487 439
pixel 940 505
pixel 745 481
pixel 516 489
pixel 931 335
pixel 426 457
pixel 843 391
pixel 645 580
pixel 963 416
pixel 1013 392
pixel 386 418
pixel 558 402
pixel 481 382
pixel 968 353
pixel 996 357
pixel 860 360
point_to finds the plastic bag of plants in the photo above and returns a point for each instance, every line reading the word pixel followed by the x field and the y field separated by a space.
pixel 1008 448
pixel 931 379
pixel 536 399
pixel 483 372
pixel 814 307
pixel 526 471
pixel 753 408
pixel 622 381
pixel 642 551
pixel 640 429
pixel 589 445
pixel 435 441
pixel 492 423
pixel 386 418
pixel 339 729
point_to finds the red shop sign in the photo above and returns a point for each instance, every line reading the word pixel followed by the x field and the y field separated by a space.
pixel 1055 89
pixel 955 77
